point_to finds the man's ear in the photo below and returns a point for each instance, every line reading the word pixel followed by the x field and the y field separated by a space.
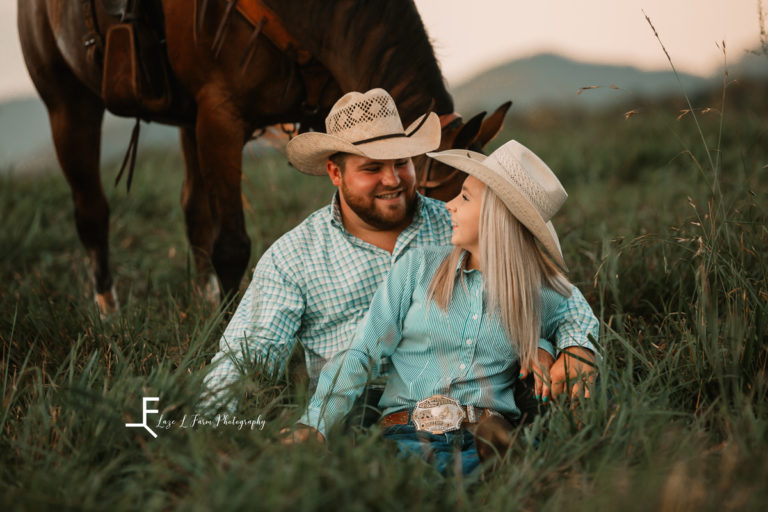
pixel 334 172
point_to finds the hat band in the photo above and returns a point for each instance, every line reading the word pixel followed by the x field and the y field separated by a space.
pixel 394 135
pixel 380 137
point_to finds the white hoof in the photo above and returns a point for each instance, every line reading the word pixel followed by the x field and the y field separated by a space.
pixel 212 292
pixel 107 302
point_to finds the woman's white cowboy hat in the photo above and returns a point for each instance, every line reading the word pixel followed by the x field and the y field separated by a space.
pixel 525 184
pixel 365 124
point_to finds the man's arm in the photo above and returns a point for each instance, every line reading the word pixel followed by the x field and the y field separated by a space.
pixel 571 326
pixel 573 372
pixel 262 329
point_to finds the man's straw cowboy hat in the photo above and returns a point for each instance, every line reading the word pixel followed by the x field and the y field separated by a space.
pixel 365 124
pixel 525 184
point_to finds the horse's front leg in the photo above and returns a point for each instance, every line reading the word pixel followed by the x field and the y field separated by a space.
pixel 221 133
pixel 76 126
pixel 199 216
pixel 75 115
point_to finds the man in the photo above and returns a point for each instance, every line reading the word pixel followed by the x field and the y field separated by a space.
pixel 315 283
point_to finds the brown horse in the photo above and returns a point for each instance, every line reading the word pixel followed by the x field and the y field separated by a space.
pixel 225 78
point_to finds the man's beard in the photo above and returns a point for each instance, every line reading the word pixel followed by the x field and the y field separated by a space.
pixel 365 208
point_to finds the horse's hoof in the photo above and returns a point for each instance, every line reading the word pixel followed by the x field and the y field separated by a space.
pixel 212 291
pixel 107 302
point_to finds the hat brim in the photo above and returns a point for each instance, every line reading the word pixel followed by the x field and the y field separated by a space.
pixel 309 151
pixel 471 162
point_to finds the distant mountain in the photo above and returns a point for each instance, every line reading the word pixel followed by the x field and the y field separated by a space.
pixel 23 130
pixel 26 144
pixel 552 80
pixel 752 65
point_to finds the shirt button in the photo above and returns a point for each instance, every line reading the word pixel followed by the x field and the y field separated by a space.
pixel 474 317
pixel 462 366
pixel 469 342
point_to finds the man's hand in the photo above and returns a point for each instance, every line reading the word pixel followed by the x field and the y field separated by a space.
pixel 540 371
pixel 573 368
pixel 300 434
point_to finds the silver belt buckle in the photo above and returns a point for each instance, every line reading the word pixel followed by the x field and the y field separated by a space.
pixel 438 414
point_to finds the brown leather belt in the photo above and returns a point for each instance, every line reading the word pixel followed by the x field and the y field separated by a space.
pixel 469 415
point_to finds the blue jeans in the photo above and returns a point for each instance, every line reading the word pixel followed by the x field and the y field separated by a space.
pixel 440 450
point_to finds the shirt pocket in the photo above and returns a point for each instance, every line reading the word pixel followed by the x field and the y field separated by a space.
pixel 494 346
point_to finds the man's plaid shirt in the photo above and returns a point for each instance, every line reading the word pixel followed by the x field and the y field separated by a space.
pixel 314 286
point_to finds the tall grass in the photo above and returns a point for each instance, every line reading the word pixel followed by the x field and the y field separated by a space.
pixel 674 267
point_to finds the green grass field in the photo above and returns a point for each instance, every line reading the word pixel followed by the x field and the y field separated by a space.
pixel 664 231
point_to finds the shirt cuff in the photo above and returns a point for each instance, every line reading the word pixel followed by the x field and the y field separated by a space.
pixel 312 418
pixel 584 343
pixel 548 346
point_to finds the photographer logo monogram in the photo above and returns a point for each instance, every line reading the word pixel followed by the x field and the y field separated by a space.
pixel 192 420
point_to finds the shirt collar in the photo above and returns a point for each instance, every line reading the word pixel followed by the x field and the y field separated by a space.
pixel 460 264
pixel 336 211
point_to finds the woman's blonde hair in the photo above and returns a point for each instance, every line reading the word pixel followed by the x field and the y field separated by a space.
pixel 514 270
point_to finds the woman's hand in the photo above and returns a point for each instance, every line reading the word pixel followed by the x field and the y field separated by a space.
pixel 300 434
pixel 541 372
pixel 574 368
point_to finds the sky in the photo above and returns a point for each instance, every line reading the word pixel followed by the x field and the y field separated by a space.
pixel 472 36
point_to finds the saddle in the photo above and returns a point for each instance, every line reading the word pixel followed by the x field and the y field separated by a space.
pixel 135 77
pixel 314 76
pixel 115 8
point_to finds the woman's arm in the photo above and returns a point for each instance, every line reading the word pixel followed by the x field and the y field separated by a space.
pixel 343 378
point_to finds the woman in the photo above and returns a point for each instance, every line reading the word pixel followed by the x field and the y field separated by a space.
pixel 455 322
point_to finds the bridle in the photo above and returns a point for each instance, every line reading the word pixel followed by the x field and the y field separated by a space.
pixel 447 122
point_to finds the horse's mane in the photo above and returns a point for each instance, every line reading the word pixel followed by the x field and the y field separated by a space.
pixel 387 43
